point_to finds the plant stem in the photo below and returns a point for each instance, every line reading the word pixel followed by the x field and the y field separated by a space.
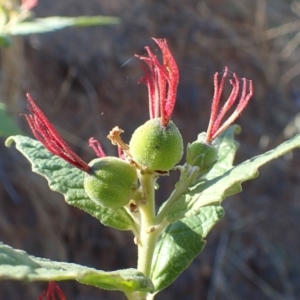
pixel 187 178
pixel 148 234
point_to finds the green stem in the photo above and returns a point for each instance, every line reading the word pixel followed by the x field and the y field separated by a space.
pixel 188 176
pixel 148 234
pixel 150 225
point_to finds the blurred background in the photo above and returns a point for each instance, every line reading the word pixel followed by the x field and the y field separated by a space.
pixel 85 80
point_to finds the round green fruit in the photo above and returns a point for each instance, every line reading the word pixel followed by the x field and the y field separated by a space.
pixel 156 147
pixel 111 182
pixel 202 154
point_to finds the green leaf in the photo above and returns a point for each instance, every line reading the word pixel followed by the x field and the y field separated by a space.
pixel 68 180
pixel 226 152
pixel 4 41
pixel 7 125
pixel 55 23
pixel 180 243
pixel 18 265
pixel 217 189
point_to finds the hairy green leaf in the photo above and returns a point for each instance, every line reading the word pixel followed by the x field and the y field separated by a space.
pixel 68 180
pixel 226 152
pixel 180 243
pixel 18 265
pixel 54 23
pixel 216 189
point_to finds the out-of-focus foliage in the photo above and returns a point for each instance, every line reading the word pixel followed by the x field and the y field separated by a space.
pixel 19 20
pixel 7 125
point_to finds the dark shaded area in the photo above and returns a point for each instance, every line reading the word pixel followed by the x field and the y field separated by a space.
pixel 85 80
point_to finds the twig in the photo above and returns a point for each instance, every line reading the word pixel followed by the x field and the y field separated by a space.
pixel 254 278
pixel 278 263
pixel 218 263
pixel 252 219
pixel 291 46
pixel 10 189
pixel 290 74
pixel 282 29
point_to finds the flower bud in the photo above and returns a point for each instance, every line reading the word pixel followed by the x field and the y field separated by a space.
pixel 156 147
pixel 111 182
pixel 202 154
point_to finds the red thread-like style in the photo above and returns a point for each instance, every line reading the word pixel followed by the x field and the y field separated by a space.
pixel 216 127
pixel 53 292
pixel 96 147
pixel 162 81
pixel 49 137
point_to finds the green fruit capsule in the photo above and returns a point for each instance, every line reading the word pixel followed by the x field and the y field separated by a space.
pixel 111 182
pixel 156 147
pixel 202 154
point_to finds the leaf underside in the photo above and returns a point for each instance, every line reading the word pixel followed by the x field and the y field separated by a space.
pixel 68 180
pixel 216 189
pixel 49 24
pixel 18 265
pixel 196 212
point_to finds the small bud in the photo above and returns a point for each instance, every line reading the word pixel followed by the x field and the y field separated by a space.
pixel 111 182
pixel 202 154
pixel 156 147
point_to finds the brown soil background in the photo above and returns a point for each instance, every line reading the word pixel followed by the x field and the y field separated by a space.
pixel 80 79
